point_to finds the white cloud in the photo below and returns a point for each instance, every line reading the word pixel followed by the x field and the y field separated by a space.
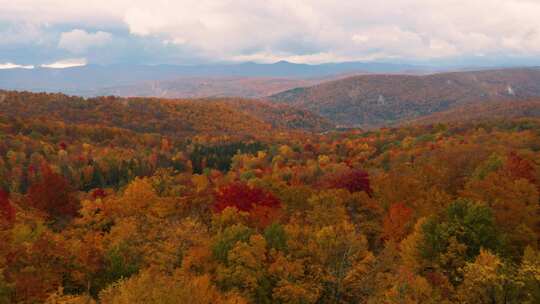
pixel 66 63
pixel 78 41
pixel 10 65
pixel 348 30
pixel 21 33
pixel 268 57
pixel 307 30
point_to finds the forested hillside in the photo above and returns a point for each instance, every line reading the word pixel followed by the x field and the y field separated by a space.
pixel 483 112
pixel 377 100
pixel 113 201
pixel 175 117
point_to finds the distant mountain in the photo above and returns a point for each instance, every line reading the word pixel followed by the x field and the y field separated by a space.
pixel 377 100
pixel 172 117
pixel 94 80
pixel 200 87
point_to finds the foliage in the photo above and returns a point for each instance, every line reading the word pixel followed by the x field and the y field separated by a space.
pixel 52 195
pixel 469 223
pixel 263 206
pixel 113 200
pixel 7 211
pixel 352 180
pixel 220 157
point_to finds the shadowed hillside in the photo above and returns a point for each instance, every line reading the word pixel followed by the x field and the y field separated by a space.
pixel 484 111
pixel 376 100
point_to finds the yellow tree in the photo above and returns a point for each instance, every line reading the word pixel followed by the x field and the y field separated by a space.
pixel 484 281
pixel 151 287
pixel 529 276
pixel 245 270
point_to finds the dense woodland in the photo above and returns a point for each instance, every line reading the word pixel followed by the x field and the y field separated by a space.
pixel 133 201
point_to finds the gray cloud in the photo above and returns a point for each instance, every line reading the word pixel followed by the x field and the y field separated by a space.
pixel 303 31
pixel 78 41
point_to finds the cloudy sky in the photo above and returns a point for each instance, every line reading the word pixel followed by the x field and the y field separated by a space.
pixel 59 33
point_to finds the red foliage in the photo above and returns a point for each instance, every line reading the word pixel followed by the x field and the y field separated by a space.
pixel 440 281
pixel 98 193
pixel 396 222
pixel 63 145
pixel 36 269
pixel 52 194
pixel 354 180
pixel 263 206
pixel 7 212
pixel 309 148
pixel 244 198
pixel 518 167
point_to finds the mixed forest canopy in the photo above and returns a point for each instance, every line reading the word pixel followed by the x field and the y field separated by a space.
pixel 113 200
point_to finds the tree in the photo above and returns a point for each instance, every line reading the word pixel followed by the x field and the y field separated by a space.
pixel 396 223
pixel 53 195
pixel 411 288
pixel 353 180
pixel 464 222
pixel 5 289
pixel 293 281
pixel 339 250
pixel 245 270
pixel 157 288
pixel 492 164
pixel 59 297
pixel 517 167
pixel 7 212
pixel 263 206
pixel 276 237
pixel 514 204
pixel 327 208
pixel 484 281
pixel 529 276
pixel 36 267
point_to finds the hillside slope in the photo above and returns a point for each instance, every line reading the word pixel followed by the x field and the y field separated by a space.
pixel 376 100
pixel 483 112
pixel 175 117
pixel 199 87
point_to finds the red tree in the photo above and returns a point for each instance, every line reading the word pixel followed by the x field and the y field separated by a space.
pixel 262 205
pixel 53 195
pixel 354 180
pixel 396 222
pixel 309 148
pixel 7 212
pixel 98 193
pixel 518 167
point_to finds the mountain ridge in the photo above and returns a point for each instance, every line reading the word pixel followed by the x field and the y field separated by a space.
pixel 88 80
pixel 376 100
pixel 172 117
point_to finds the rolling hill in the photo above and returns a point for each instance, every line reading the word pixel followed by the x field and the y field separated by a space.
pixel 173 117
pixel 204 87
pixel 205 80
pixel 376 100
pixel 483 111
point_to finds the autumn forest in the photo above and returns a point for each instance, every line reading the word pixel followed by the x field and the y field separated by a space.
pixel 144 200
